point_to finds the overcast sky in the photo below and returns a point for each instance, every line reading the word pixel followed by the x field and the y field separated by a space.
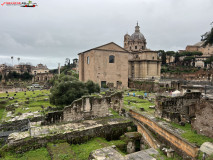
pixel 59 29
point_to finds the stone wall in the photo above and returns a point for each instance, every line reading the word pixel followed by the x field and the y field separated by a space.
pixel 87 107
pixel 108 131
pixel 19 125
pixel 54 117
pixel 204 120
pixel 177 109
pixel 200 75
pixel 148 86
pixel 116 101
pixel 94 65
pixel 147 136
pixel 181 146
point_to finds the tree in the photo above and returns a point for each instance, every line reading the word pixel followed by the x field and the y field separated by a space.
pixel 187 53
pixel 177 58
pixel 67 88
pixel 209 38
pixel 163 56
pixel 92 87
pixel 66 92
pixel 170 53
pixel 188 60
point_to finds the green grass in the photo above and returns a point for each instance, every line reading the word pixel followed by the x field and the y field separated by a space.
pixel 60 151
pixel 137 103
pixel 191 135
pixel 141 93
pixel 115 114
pixel 82 151
pixel 38 154
pixel 36 101
pixel 164 157
pixel 64 151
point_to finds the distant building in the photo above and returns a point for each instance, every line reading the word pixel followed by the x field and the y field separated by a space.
pixel 135 42
pixel 206 50
pixel 40 68
pixel 22 68
pixel 111 65
pixel 42 77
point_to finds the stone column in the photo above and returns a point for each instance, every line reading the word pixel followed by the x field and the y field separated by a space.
pixel 141 69
pixel 159 68
pixel 130 69
pixel 137 69
pixel 144 71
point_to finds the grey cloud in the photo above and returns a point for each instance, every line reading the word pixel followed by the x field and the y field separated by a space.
pixel 58 29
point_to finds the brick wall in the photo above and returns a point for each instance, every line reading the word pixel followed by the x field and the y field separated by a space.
pixel 176 142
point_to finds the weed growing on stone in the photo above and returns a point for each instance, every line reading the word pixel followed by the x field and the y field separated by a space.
pixel 191 135
pixel 38 154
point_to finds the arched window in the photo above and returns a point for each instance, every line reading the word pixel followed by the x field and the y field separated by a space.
pixel 135 47
pixel 111 59
pixel 88 60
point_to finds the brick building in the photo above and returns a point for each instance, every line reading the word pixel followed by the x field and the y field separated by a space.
pixel 113 65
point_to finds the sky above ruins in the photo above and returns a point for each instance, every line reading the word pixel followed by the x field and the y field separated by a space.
pixel 55 30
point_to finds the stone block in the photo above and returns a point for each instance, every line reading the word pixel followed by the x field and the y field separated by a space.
pixel 207 148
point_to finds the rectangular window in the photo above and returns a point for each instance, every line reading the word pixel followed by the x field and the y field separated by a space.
pixel 88 60
pixel 103 84
pixel 111 59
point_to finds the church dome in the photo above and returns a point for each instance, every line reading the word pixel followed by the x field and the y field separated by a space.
pixel 137 35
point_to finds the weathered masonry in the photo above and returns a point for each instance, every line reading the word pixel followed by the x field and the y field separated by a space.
pixel 177 109
pixel 86 107
pixel 181 146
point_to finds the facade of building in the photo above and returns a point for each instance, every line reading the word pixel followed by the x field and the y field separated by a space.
pixel 42 77
pixel 206 50
pixel 105 65
pixel 40 68
pixel 144 65
pixel 111 65
pixel 135 42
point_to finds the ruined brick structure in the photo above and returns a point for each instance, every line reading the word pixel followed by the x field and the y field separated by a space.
pixel 177 109
pixel 181 146
pixel 203 123
pixel 42 77
pixel 86 107
pixel 200 75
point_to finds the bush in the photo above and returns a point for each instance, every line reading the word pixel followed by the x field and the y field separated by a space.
pixel 65 93
pixel 92 87
pixel 66 89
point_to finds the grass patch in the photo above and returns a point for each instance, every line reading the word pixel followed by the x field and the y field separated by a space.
pixel 191 135
pixel 38 154
pixel 137 103
pixel 36 102
pixel 82 151
pixel 64 151
pixel 115 114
